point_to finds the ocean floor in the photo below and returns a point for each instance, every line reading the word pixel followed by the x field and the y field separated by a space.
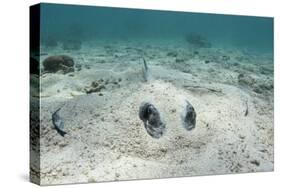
pixel 231 91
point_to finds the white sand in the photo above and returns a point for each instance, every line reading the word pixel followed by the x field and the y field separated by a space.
pixel 107 141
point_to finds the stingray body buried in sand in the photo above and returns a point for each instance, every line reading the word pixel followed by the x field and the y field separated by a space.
pixel 150 116
pixel 148 113
pixel 153 124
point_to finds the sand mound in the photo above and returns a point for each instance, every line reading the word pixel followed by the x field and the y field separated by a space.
pixel 106 139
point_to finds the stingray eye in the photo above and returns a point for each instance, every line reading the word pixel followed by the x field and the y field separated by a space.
pixel 150 110
pixel 189 115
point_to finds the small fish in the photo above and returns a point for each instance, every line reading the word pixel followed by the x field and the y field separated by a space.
pixel 58 122
pixel 150 116
pixel 188 117
pixel 145 70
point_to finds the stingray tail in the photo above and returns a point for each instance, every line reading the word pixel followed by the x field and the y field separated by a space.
pixel 61 132
pixel 145 70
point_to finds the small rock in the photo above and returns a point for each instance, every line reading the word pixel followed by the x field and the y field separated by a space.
pixel 257 90
pixel 241 137
pixel 95 87
pixel 265 70
pixel 101 61
pixel 179 60
pixel 65 173
pixel 95 84
pixel 163 150
pixel 63 144
pixel 78 67
pixel 265 86
pixel 225 58
pixel 255 162
pixel 235 64
pixel 186 71
pixel 195 52
pixel 172 54
pixel 245 79
pixel 92 180
pixel 173 110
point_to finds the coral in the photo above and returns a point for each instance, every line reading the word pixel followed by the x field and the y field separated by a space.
pixel 59 63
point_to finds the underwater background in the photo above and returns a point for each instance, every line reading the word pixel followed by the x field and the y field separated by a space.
pixel 138 94
pixel 85 22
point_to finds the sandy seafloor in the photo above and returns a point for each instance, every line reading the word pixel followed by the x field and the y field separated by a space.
pixel 107 141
